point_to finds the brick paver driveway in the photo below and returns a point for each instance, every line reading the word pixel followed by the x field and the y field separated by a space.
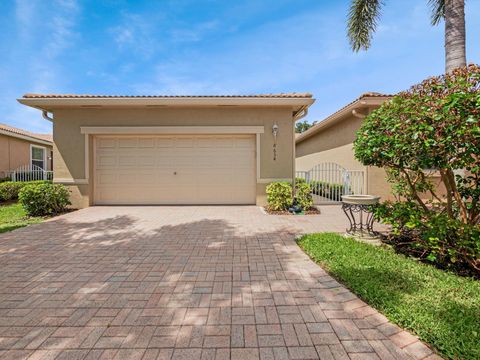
pixel 182 283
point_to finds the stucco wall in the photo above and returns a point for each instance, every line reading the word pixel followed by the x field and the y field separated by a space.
pixel 342 155
pixel 335 144
pixel 15 152
pixel 69 150
pixel 339 134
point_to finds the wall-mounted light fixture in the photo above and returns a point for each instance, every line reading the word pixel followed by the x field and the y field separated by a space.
pixel 275 132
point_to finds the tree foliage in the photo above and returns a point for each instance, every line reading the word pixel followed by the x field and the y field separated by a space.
pixel 302 126
pixel 363 19
pixel 431 131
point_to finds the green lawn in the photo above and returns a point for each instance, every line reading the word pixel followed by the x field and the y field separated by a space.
pixel 12 216
pixel 443 309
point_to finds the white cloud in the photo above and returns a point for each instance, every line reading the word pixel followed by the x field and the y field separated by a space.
pixel 62 30
pixel 24 14
pixel 45 33
pixel 134 33
pixel 194 33
pixel 268 57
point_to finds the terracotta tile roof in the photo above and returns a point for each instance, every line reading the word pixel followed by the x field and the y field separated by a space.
pixel 83 96
pixel 17 131
pixel 332 117
pixel 374 94
pixel 361 97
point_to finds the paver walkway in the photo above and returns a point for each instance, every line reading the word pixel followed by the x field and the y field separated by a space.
pixel 182 283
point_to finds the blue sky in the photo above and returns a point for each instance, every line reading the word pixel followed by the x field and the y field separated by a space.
pixel 212 47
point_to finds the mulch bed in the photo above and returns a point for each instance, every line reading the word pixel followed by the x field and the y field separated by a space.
pixel 311 211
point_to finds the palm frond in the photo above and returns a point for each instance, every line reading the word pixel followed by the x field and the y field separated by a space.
pixel 438 10
pixel 362 22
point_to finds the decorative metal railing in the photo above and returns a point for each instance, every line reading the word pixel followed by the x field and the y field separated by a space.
pixel 329 181
pixel 30 173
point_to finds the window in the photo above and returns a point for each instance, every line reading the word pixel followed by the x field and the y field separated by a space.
pixel 38 156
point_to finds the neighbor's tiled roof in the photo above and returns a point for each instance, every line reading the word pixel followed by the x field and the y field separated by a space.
pixel 321 124
pixel 83 96
pixel 14 130
pixel 374 94
pixel 361 97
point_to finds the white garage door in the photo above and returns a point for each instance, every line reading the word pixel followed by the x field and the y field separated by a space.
pixel 195 169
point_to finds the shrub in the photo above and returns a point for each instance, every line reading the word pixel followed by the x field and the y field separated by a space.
pixel 434 125
pixel 328 190
pixel 9 190
pixel 435 238
pixel 279 195
pixel 44 199
pixel 303 196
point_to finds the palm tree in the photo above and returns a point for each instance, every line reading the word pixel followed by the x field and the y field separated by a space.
pixel 364 14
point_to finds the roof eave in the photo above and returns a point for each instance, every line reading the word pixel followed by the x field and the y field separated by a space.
pixel 54 103
pixel 343 113
pixel 26 137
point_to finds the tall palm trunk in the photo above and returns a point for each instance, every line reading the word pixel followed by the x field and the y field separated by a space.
pixel 455 53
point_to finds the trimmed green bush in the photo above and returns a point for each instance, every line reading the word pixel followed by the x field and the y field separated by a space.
pixel 434 238
pixel 328 190
pixel 9 190
pixel 433 125
pixel 279 195
pixel 44 199
pixel 303 196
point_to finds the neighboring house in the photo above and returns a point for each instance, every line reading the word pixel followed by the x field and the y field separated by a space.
pixel 172 149
pixel 20 148
pixel 331 141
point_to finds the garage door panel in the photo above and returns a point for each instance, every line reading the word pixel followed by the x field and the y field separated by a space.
pixel 146 161
pixel 144 143
pixel 106 179
pixel 224 143
pixel 127 142
pixel 106 143
pixel 106 161
pixel 203 169
pixel 127 161
pixel 244 143
pixel 165 142
pixel 184 142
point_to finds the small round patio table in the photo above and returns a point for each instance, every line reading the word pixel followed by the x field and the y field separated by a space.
pixel 359 211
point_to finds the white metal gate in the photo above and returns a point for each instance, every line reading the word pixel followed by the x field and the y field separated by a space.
pixel 329 181
pixel 30 173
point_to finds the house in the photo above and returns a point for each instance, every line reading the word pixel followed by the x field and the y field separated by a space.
pixel 331 142
pixel 20 148
pixel 171 149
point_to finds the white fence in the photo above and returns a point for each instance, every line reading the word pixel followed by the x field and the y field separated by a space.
pixel 30 173
pixel 329 181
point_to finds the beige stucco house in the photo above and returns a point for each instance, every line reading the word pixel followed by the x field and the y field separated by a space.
pixel 331 141
pixel 171 149
pixel 20 148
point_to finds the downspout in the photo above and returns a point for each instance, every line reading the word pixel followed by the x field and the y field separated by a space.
pixel 300 114
pixel 45 115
